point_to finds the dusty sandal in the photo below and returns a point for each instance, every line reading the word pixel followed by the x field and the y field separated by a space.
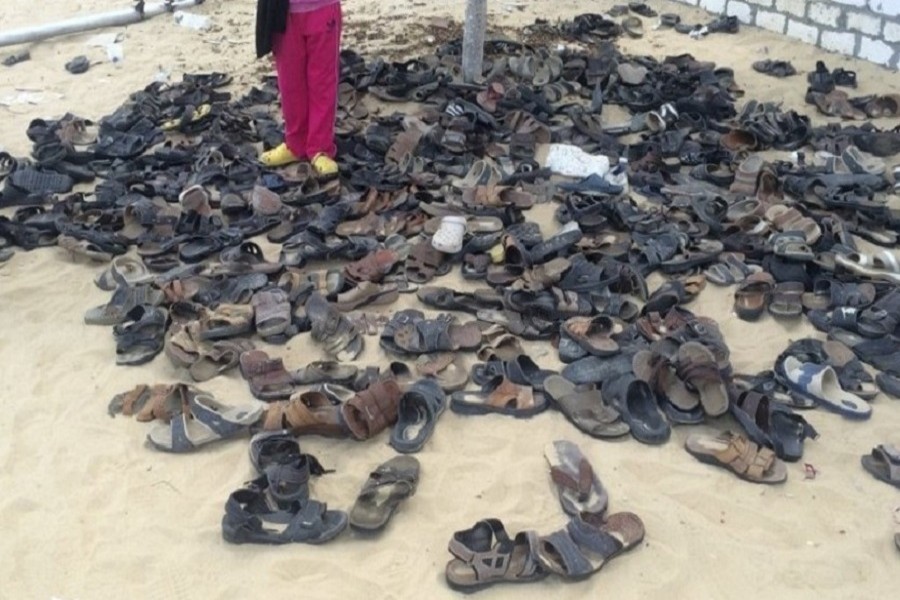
pixel 387 486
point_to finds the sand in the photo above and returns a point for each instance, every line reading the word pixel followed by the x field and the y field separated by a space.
pixel 88 512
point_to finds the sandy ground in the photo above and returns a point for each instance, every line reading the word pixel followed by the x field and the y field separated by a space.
pixel 88 512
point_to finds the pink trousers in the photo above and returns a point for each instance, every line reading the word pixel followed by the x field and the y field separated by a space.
pixel 307 59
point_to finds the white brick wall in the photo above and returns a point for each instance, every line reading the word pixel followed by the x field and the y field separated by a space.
pixel 838 41
pixel 714 6
pixel 826 14
pixel 892 32
pixel 890 8
pixel 770 20
pixel 864 22
pixel 794 7
pixel 875 50
pixel 868 29
pixel 741 10
pixel 802 31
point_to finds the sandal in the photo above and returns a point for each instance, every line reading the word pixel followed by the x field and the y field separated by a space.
pixel 372 410
pixel 787 299
pixel 730 269
pixel 83 248
pixel 424 263
pixel 387 486
pixel 752 296
pixel 306 413
pixel 588 542
pixel 141 336
pixel 883 463
pixel 820 383
pixel 594 334
pixel 769 424
pixel 417 414
pixel 248 512
pixel 697 367
pixel 267 377
pixel 125 269
pixel 204 420
pixel 485 555
pixel 122 302
pixel 577 485
pixel 521 370
pixel 437 335
pixel 157 402
pixel 341 339
pixel 373 267
pixel 636 403
pixel 585 408
pixel 446 368
pixel 226 321
pixel 738 454
pixel 367 293
pixel 501 396
pixel 325 371
pixel 271 311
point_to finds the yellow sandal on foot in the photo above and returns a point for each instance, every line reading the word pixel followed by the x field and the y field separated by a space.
pixel 278 156
pixel 324 165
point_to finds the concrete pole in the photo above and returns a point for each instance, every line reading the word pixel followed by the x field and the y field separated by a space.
pixel 473 40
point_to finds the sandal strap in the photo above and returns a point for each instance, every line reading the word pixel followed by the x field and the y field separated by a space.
pixel 581 486
pixel 164 402
pixel 593 538
pixel 373 409
pixel 745 457
pixel 573 559
pixel 506 392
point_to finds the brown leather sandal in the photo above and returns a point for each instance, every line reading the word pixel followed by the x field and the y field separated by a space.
pixel 738 454
pixel 147 403
pixel 307 413
pixel 372 410
pixel 267 377
pixel 424 263
pixel 372 267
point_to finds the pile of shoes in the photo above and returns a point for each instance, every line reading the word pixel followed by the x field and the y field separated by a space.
pixel 181 204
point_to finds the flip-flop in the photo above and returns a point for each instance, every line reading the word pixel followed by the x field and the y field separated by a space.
pixel 387 486
pixel 577 485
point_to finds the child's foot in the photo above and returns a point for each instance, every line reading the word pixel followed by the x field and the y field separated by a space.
pixel 324 165
pixel 278 157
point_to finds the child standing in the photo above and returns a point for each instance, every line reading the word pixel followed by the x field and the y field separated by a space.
pixel 307 59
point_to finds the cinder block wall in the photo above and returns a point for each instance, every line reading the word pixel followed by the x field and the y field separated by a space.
pixel 867 29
